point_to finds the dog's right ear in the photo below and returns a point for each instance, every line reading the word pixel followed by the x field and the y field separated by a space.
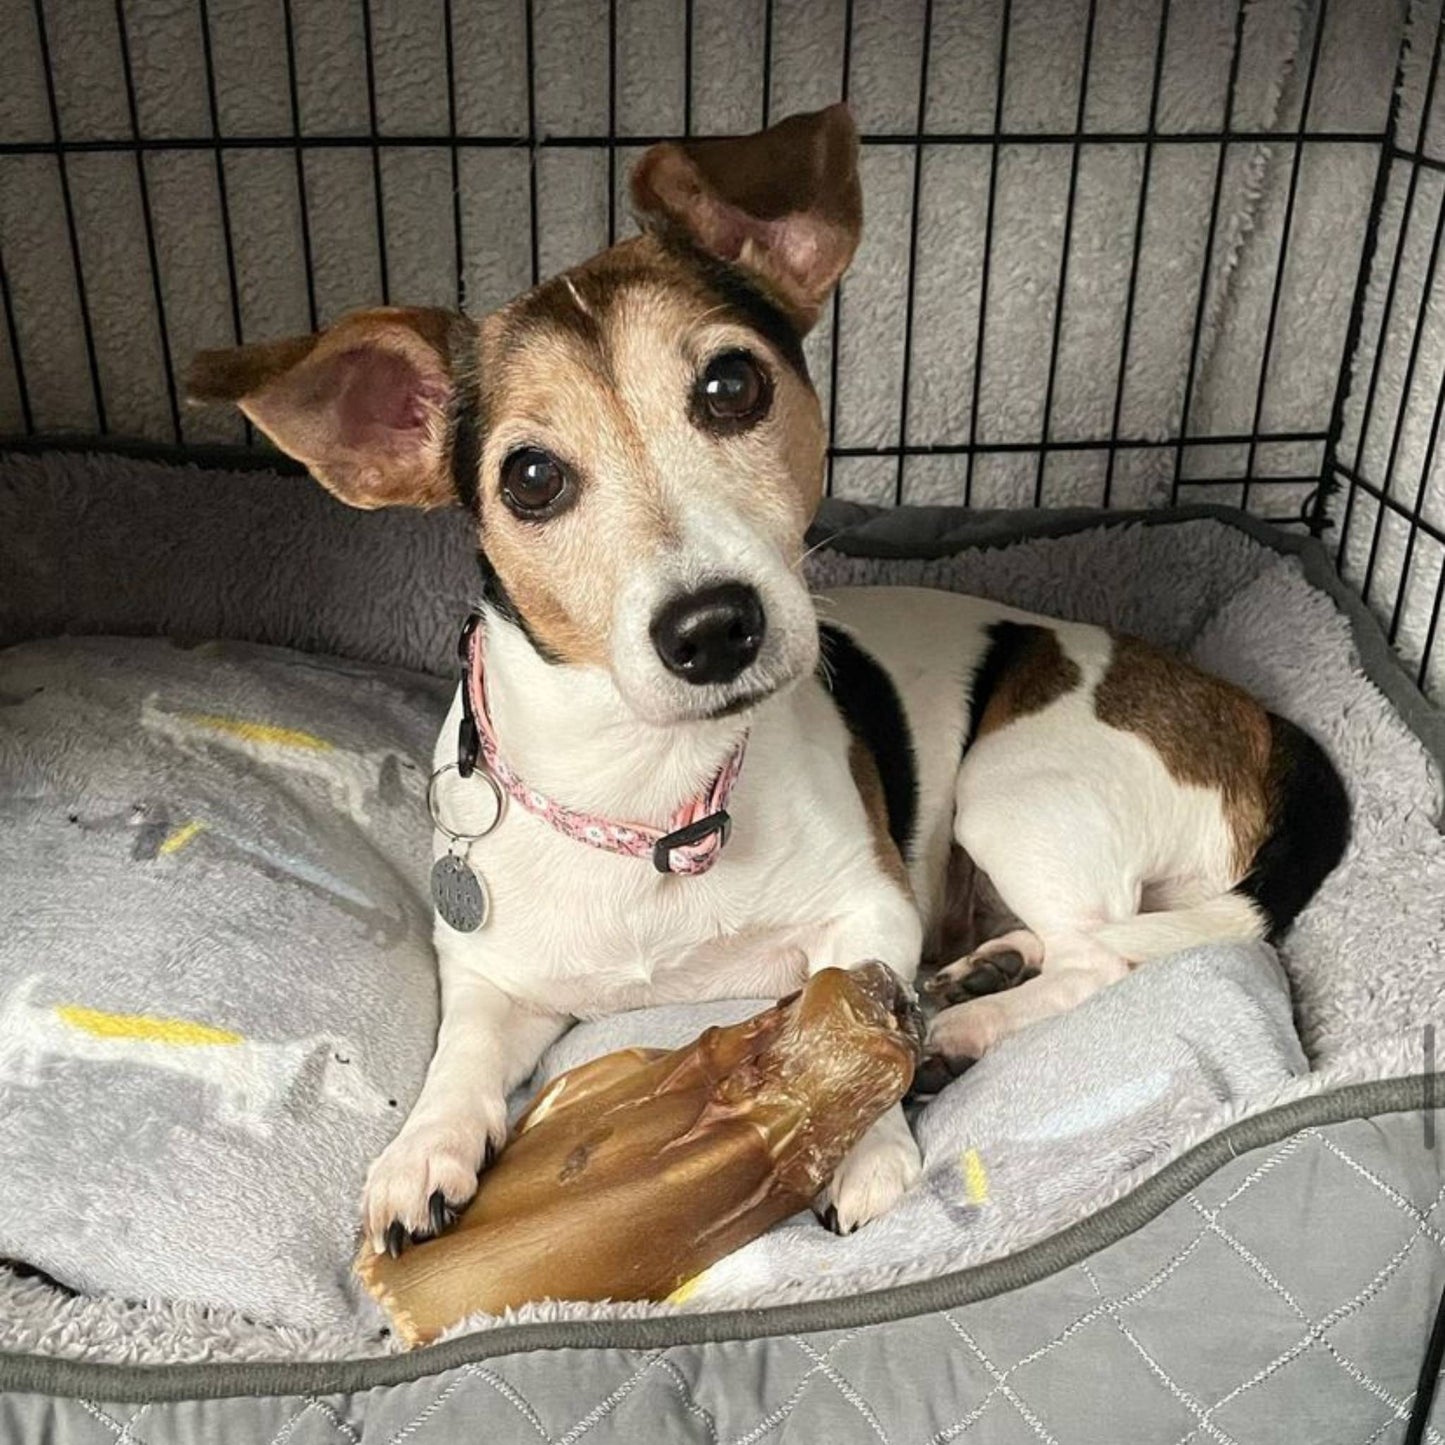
pixel 784 205
pixel 362 404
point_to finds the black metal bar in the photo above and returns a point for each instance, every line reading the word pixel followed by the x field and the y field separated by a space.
pixel 1062 288
pixel 375 139
pixel 1298 479
pixel 913 253
pixel 1406 216
pixel 26 414
pixel 458 241
pixel 767 64
pixel 1329 483
pixel 980 330
pixel 296 141
pixel 835 339
pixel 597 142
pixel 162 451
pixel 1076 444
pixel 1434 628
pixel 611 122
pixel 1321 19
pixel 1133 290
pixel 1417 158
pixel 1406 388
pixel 222 194
pixel 1436 534
pixel 148 222
pixel 91 355
pixel 1220 161
pixel 1416 511
pixel 687 22
pixel 532 144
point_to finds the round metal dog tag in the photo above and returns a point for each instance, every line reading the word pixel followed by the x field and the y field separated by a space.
pixel 459 894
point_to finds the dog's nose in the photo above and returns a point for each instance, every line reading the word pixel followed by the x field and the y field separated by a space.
pixel 710 635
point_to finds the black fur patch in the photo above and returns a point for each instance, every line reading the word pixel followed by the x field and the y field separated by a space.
pixel 869 705
pixel 466 447
pixel 1309 827
pixel 1007 643
pixel 748 304
pixel 496 597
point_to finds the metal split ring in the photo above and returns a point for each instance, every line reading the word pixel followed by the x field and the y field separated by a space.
pixel 434 809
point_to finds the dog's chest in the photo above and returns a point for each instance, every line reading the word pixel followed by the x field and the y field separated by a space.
pixel 585 932
pixel 613 934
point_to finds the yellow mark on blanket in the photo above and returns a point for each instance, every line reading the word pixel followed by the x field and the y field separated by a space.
pixel 178 839
pixel 141 1026
pixel 255 732
pixel 975 1176
pixel 686 1290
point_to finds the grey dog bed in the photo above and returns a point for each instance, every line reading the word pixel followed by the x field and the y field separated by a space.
pixel 1230 1228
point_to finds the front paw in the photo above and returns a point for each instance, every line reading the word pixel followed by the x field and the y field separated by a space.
pixel 426 1176
pixel 963 1034
pixel 874 1175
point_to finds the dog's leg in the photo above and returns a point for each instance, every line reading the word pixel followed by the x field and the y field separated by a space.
pixel 1057 855
pixel 486 1046
pixel 885 1163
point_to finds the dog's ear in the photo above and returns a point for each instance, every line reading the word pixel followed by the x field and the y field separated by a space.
pixel 783 205
pixel 362 404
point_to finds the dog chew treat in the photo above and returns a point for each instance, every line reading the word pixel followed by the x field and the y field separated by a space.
pixel 630 1175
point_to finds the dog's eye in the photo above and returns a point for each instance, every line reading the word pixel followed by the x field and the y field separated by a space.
pixel 733 393
pixel 532 481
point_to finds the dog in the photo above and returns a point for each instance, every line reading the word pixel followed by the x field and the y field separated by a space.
pixel 640 451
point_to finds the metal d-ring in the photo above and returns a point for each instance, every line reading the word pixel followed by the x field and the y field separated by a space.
pixel 434 809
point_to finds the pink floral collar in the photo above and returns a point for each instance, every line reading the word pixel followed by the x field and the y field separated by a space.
pixel 698 831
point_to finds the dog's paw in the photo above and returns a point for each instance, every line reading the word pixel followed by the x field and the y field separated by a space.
pixel 425 1177
pixel 935 1073
pixel 875 1174
pixel 963 1034
pixel 980 974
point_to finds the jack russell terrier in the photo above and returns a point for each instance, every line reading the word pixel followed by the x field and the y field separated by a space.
pixel 640 451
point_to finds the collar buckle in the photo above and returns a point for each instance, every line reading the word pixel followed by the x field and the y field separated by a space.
pixel 719 823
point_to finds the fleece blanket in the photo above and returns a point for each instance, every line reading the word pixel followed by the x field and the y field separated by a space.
pixel 217 991
pixel 1046 331
pixel 1365 969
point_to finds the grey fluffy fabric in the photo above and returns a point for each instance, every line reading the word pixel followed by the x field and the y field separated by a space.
pixel 1365 963
pixel 217 986
pixel 1011 329
pixel 1029 1131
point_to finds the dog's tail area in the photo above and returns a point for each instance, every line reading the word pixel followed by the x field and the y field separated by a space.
pixel 1229 918
pixel 1309 827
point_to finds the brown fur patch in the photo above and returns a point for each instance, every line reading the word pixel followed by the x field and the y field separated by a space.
pixel 1036 673
pixel 1207 732
pixel 875 804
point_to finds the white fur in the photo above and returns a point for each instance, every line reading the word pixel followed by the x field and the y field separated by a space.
pixel 1070 819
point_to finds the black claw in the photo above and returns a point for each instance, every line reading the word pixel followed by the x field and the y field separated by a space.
pixel 440 1211
pixel 830 1219
pixel 489 1154
pixel 395 1238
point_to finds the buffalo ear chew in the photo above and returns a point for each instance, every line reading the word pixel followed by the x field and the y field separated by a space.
pixel 630 1175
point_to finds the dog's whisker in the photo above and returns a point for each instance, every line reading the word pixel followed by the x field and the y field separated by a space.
pixel 828 541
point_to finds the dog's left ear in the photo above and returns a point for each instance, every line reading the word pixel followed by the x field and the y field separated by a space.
pixel 783 205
